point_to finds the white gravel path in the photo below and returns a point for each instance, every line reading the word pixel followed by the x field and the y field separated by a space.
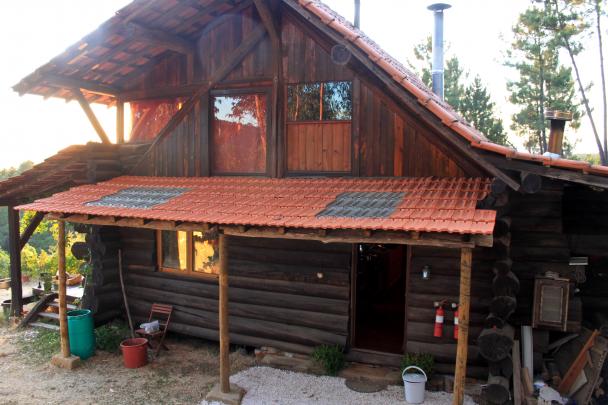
pixel 265 385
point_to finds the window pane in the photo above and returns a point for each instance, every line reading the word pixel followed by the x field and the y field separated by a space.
pixel 303 101
pixel 175 250
pixel 329 101
pixel 206 254
pixel 239 134
pixel 337 101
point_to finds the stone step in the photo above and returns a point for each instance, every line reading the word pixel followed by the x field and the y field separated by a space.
pixel 49 315
pixel 44 325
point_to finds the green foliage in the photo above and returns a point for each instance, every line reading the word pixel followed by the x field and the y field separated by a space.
pixel 109 336
pixel 40 344
pixel 544 83
pixel 472 100
pixel 330 357
pixel 4 264
pixel 423 360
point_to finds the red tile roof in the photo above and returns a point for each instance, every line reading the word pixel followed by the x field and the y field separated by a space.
pixel 428 99
pixel 429 204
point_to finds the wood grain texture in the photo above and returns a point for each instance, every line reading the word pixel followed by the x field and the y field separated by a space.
pixel 463 325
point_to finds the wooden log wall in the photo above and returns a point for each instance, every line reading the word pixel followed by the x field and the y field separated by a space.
pixel 586 223
pixel 444 285
pixel 102 294
pixel 293 295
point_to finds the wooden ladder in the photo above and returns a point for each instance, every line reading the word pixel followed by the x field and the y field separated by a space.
pixel 38 317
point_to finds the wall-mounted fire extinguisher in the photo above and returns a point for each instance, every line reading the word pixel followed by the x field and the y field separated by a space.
pixel 455 308
pixel 439 314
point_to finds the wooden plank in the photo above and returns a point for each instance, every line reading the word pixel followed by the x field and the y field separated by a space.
pixel 463 325
pixel 71 83
pixel 15 259
pixel 120 121
pixel 63 311
pixel 90 115
pixel 223 314
pixel 268 20
pixel 517 386
pixel 233 60
pixel 30 229
pixel 577 365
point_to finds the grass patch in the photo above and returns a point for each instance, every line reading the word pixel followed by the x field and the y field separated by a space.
pixel 109 336
pixel 39 345
pixel 330 357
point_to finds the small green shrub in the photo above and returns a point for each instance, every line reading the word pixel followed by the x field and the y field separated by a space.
pixel 330 357
pixel 423 360
pixel 109 336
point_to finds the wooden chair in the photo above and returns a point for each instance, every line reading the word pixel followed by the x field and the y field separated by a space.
pixel 162 314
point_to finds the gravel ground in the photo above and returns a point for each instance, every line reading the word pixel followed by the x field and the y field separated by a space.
pixel 267 385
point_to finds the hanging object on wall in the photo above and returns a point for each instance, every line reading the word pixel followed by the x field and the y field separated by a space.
pixel 455 308
pixel 340 55
pixel 551 296
pixel 439 316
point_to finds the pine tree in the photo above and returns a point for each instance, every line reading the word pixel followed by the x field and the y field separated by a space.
pixel 472 101
pixel 478 109
pixel 544 83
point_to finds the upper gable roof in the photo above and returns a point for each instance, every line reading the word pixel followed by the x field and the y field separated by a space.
pixel 105 62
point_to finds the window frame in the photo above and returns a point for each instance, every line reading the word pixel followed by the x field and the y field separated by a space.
pixel 189 271
pixel 267 92
pixel 319 121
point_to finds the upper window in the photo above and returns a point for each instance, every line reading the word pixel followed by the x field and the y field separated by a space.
pixel 187 253
pixel 328 101
pixel 238 144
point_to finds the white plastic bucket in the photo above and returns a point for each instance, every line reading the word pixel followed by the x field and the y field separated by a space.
pixel 414 385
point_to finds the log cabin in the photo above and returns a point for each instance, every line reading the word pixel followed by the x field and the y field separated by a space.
pixel 287 183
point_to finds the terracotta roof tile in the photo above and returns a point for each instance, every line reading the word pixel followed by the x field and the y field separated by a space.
pixel 422 204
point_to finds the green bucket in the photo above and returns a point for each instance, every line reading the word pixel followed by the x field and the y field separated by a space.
pixel 81 332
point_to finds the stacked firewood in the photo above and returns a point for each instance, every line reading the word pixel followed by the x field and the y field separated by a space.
pixel 102 292
pixel 496 339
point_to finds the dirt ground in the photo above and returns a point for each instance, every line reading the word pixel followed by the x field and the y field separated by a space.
pixel 183 375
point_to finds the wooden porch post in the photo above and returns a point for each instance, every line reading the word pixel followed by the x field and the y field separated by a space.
pixel 120 121
pixel 15 257
pixel 224 332
pixel 63 315
pixel 463 325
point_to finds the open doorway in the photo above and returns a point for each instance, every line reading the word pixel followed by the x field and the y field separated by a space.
pixel 380 297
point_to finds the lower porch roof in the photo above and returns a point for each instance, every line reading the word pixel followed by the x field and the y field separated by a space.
pixel 434 205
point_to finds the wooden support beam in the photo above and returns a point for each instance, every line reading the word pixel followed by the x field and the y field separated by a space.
pixel 547 171
pixel 120 121
pixel 90 115
pixel 15 258
pixel 223 315
pixel 233 60
pixel 271 25
pixel 31 228
pixel 160 38
pixel 466 257
pixel 71 83
pixel 63 310
pixel 404 97
pixel 267 20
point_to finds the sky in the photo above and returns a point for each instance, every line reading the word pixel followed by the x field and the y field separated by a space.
pixel 34 31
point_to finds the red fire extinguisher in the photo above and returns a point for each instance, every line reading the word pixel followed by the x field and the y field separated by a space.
pixel 455 307
pixel 439 313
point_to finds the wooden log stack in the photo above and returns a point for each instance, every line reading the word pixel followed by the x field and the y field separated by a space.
pixel 496 339
pixel 102 293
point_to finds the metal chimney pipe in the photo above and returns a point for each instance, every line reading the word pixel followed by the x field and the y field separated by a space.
pixel 556 134
pixel 357 13
pixel 437 68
